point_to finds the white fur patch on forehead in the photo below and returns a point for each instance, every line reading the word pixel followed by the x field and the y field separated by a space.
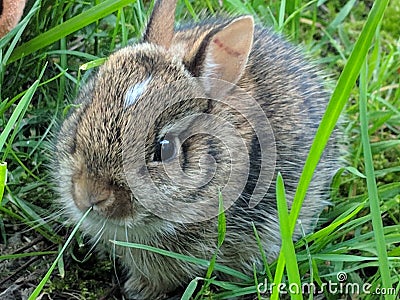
pixel 135 91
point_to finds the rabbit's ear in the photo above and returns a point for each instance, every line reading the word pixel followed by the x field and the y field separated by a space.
pixel 226 53
pixel 160 29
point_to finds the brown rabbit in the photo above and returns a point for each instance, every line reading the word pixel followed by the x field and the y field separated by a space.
pixel 167 123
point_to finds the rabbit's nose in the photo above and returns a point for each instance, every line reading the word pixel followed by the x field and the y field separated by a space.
pixel 88 192
pixel 109 201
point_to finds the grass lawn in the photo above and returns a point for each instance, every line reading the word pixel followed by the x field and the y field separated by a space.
pixel 48 56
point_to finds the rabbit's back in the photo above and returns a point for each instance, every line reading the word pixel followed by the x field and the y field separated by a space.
pixel 291 93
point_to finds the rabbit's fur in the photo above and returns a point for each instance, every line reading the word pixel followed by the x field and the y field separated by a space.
pixel 123 116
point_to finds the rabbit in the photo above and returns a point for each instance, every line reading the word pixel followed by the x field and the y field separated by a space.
pixel 186 119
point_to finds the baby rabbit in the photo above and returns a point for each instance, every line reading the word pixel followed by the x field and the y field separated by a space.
pixel 166 124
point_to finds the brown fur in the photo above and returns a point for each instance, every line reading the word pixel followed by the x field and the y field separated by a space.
pixel 101 143
pixel 10 15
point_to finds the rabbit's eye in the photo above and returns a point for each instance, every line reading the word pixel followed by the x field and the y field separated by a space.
pixel 165 149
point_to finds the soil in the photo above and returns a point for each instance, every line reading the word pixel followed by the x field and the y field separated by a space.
pixel 91 278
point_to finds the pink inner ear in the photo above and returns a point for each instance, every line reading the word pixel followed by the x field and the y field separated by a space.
pixel 229 49
pixel 226 48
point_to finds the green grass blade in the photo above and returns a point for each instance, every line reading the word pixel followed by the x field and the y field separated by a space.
pixel 294 8
pixel 281 17
pixel 17 115
pixel 114 35
pixel 221 234
pixel 39 288
pixel 92 64
pixel 338 101
pixel 336 104
pixel 8 104
pixel 371 185
pixel 18 112
pixel 287 242
pixel 295 17
pixel 191 10
pixel 340 17
pixel 53 239
pixel 221 220
pixel 74 53
pixel 343 218
pixel 190 289
pixel 124 31
pixel 187 258
pixel 16 32
pixel 256 282
pixel 29 254
pixel 91 15
pixel 3 179
pixel 267 271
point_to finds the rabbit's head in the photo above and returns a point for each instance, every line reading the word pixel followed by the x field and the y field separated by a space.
pixel 158 131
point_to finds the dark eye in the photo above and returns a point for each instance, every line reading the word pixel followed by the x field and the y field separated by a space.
pixel 165 149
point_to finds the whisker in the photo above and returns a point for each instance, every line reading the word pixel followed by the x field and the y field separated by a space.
pixel 113 257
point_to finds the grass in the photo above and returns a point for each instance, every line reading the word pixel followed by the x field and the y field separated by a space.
pixel 41 71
